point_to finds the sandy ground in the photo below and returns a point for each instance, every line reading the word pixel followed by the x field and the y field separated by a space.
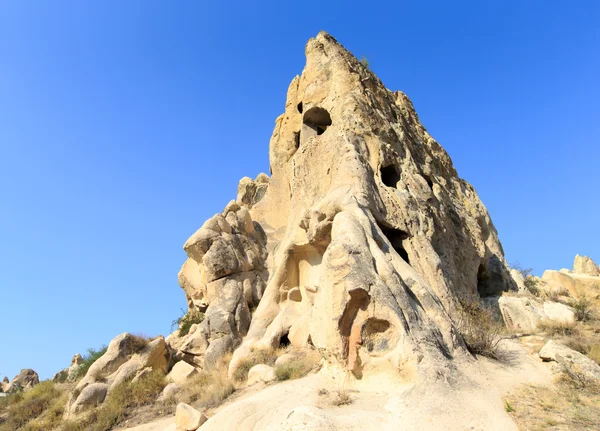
pixel 471 399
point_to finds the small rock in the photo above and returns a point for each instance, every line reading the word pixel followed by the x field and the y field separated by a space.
pixel 575 361
pixel 188 418
pixel 181 373
pixel 261 373
pixel 171 390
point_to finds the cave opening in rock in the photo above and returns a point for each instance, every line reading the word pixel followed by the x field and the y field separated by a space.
pixel 300 108
pixel 284 341
pixel 297 139
pixel 429 182
pixel 315 122
pixel 482 281
pixel 397 238
pixel 390 176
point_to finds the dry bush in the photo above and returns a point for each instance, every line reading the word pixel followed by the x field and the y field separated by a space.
pixel 23 409
pixel 480 330
pixel 186 320
pixel 553 328
pixel 299 366
pixel 583 309
pixel 341 398
pixel 120 401
pixel 256 356
pixel 208 389
pixel 138 342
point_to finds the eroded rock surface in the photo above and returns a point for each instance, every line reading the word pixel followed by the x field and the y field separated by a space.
pixel 23 381
pixel 359 243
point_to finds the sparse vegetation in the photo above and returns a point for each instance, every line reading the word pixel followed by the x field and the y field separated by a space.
pixel 37 409
pixel 583 309
pixel 186 320
pixel 553 328
pixel 89 358
pixel 262 356
pixel 119 403
pixel 508 408
pixel 207 389
pixel 341 398
pixel 298 367
pixel 530 282
pixel 364 62
pixel 480 330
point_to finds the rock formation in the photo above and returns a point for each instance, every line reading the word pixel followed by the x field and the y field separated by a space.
pixel 127 358
pixel 360 242
pixel 23 381
pixel 69 374
pixel 585 266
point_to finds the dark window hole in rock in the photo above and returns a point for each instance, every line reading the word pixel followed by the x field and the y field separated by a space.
pixel 390 175
pixel 300 108
pixel 297 139
pixel 482 281
pixel 397 238
pixel 429 182
pixel 317 119
pixel 284 341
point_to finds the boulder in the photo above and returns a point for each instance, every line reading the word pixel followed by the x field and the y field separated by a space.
pixel 91 396
pixel 188 418
pixel 181 373
pixel 578 285
pixel 171 390
pixel 570 361
pixel 261 373
pixel 71 373
pixel 519 280
pixel 524 313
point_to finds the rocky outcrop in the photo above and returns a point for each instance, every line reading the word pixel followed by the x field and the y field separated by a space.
pixel 69 374
pixel 524 313
pixel 567 360
pixel 578 285
pixel 224 277
pixel 583 265
pixel 23 381
pixel 127 357
pixel 261 373
pixel 364 231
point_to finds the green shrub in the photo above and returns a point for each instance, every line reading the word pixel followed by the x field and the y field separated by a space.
pixel 364 62
pixel 185 322
pixel 89 358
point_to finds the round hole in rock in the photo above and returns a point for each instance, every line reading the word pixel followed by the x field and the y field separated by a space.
pixel 378 336
pixel 300 108
pixel 390 175
pixel 317 119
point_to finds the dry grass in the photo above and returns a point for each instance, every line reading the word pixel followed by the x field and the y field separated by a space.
pixel 36 409
pixel 119 404
pixel 299 366
pixel 553 328
pixel 262 356
pixel 566 406
pixel 481 331
pixel 208 389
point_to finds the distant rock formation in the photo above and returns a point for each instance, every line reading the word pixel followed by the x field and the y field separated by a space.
pixel 359 244
pixel 69 374
pixel 23 381
pixel 585 266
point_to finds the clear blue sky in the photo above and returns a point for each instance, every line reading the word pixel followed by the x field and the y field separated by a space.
pixel 124 125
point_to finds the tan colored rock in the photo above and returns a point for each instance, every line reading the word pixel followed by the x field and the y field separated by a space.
pixel 188 418
pixel 570 361
pixel 23 381
pixel 181 373
pixel 519 280
pixel 261 373
pixel 365 233
pixel 578 285
pixel 91 396
pixel 585 266
pixel 171 391
pixel 524 313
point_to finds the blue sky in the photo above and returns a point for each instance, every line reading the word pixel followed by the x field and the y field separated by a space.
pixel 124 125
